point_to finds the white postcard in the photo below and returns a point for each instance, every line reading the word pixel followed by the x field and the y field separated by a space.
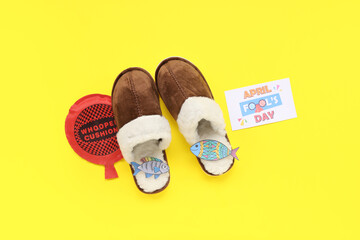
pixel 260 104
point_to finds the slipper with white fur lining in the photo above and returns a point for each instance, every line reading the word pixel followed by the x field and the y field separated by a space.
pixel 144 133
pixel 188 98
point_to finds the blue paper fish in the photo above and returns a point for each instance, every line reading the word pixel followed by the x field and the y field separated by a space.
pixel 212 150
pixel 151 166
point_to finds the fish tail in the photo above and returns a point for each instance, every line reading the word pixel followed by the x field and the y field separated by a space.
pixel 136 167
pixel 233 153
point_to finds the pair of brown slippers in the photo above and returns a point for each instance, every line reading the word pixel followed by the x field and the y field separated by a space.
pixel 144 133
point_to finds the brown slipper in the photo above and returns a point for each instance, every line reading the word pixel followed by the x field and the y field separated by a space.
pixel 188 97
pixel 144 133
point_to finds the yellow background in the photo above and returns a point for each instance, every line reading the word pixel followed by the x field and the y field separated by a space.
pixel 297 179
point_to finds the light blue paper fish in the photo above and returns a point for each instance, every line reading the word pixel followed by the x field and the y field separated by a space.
pixel 212 150
pixel 151 166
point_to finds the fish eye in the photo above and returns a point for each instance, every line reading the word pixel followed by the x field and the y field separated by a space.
pixel 196 145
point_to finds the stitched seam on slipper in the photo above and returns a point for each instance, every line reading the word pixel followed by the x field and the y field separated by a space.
pixel 155 92
pixel 137 103
pixel 198 70
pixel 176 81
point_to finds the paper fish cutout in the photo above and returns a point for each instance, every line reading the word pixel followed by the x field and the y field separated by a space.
pixel 212 150
pixel 151 166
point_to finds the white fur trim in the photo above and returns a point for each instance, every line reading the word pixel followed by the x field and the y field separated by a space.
pixel 143 129
pixel 195 109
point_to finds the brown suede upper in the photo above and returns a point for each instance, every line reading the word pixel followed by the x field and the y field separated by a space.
pixel 178 79
pixel 133 95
